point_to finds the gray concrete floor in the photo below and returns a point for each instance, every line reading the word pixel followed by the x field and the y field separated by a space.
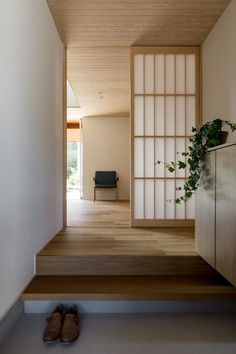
pixel 132 334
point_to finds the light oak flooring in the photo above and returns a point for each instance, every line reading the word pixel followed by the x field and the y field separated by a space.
pixel 100 241
pixel 103 228
pixel 100 257
pixel 127 287
pixel 85 241
pixel 99 214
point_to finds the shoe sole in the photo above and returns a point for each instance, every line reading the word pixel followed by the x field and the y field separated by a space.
pixel 69 342
pixel 51 341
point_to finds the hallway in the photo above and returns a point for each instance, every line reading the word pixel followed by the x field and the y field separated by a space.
pixel 145 89
pixel 104 228
pixel 86 213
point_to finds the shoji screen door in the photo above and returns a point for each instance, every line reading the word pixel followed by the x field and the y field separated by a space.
pixel 165 105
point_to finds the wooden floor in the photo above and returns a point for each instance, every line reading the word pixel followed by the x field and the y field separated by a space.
pixel 98 214
pixel 100 257
pixel 100 241
pixel 129 288
pixel 104 228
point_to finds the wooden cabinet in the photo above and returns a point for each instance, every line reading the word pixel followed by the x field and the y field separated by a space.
pixel 226 213
pixel 205 211
pixel 216 211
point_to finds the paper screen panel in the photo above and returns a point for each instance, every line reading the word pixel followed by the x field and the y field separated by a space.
pixel 138 115
pixel 159 199
pixel 170 73
pixel 149 199
pixel 170 197
pixel 138 157
pixel 138 74
pixel 180 208
pixel 164 110
pixel 190 114
pixel 149 115
pixel 180 115
pixel 149 73
pixel 180 73
pixel 170 115
pixel 159 115
pixel 180 147
pixel 149 157
pixel 170 153
pixel 139 199
pixel 159 155
pixel 190 74
pixel 159 73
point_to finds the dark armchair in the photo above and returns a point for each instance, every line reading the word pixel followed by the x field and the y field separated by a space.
pixel 105 180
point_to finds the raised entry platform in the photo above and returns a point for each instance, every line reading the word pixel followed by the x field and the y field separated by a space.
pixel 102 257
pixel 185 288
pixel 100 241
pixel 121 251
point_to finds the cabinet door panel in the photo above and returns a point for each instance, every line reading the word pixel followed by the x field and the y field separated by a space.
pixel 226 212
pixel 205 211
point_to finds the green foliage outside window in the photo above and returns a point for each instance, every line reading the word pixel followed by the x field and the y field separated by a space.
pixel 72 168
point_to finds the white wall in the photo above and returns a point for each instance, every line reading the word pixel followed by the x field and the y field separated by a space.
pixel 31 111
pixel 219 69
pixel 106 147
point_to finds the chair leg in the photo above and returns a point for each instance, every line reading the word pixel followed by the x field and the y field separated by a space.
pixel 116 194
pixel 94 194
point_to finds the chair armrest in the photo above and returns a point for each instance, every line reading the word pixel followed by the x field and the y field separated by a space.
pixel 117 179
pixel 94 179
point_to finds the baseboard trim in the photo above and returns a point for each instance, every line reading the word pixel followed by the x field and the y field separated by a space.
pixel 10 319
pixel 135 306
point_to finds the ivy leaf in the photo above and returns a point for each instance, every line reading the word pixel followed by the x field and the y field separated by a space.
pixel 189 194
pixel 171 169
pixel 182 165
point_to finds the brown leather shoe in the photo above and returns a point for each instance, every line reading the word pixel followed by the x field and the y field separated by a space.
pixel 53 329
pixel 70 327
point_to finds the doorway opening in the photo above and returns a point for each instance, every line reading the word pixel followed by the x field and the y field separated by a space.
pixel 74 184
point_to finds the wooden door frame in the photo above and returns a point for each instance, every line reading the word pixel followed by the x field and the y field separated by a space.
pixel 64 137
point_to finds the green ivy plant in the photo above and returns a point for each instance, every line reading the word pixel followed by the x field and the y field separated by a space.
pixel 203 139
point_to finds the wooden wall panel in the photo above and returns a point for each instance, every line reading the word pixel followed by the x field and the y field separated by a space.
pixel 216 211
pixel 226 213
pixel 205 211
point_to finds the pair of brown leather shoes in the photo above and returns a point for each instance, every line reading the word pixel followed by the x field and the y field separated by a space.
pixel 62 324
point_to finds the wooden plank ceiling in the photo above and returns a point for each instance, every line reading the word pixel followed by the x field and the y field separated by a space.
pixel 99 33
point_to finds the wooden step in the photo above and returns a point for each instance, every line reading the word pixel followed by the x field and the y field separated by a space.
pixel 122 265
pixel 209 288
